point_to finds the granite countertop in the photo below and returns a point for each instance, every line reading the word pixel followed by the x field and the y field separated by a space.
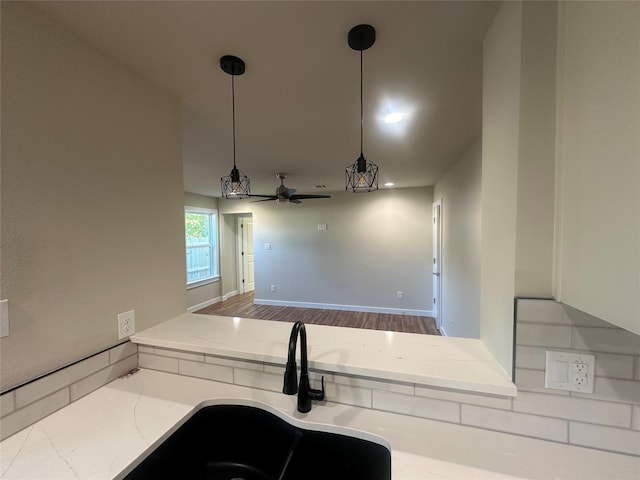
pixel 98 436
pixel 462 364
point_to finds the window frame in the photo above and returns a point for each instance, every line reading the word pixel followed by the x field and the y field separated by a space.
pixel 214 244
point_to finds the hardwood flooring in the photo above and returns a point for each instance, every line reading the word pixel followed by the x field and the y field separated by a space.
pixel 243 306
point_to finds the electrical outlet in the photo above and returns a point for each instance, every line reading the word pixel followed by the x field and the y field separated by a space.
pixel 570 371
pixel 399 295
pixel 273 288
pixel 126 324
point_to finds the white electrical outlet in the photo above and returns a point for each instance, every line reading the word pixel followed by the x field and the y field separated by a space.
pixel 126 324
pixel 399 295
pixel 570 371
pixel 273 288
pixel 4 318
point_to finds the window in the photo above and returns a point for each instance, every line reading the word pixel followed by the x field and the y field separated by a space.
pixel 201 233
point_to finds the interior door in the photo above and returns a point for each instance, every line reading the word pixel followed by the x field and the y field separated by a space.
pixel 248 281
pixel 437 260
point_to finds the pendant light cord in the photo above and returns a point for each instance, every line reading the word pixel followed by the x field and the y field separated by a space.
pixel 233 115
pixel 361 108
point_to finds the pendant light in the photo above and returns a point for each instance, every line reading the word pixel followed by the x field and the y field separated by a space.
pixel 236 184
pixel 362 175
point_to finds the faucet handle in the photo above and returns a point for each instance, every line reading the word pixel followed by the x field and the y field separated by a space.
pixel 317 394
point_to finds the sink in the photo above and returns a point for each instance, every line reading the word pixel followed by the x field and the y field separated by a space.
pixel 250 442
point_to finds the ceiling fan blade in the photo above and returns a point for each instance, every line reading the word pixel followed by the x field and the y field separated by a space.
pixel 302 197
pixel 273 197
pixel 269 198
pixel 291 191
pixel 294 200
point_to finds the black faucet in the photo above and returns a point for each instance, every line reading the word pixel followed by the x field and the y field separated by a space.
pixel 305 392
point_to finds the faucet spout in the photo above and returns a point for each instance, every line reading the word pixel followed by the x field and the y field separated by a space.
pixel 305 393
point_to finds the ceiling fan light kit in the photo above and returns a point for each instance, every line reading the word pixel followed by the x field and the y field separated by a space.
pixel 362 175
pixel 286 194
pixel 236 184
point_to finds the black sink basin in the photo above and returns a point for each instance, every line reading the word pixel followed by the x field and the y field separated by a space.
pixel 239 442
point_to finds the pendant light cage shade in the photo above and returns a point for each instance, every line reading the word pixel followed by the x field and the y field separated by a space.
pixel 236 184
pixel 362 176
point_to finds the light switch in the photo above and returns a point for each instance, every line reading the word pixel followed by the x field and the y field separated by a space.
pixel 267 246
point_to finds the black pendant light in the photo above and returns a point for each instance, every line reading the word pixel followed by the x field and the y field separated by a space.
pixel 236 184
pixel 362 176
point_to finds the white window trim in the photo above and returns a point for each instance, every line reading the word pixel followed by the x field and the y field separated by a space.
pixel 215 278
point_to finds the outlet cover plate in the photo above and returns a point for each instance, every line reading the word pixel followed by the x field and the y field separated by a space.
pixel 126 324
pixel 569 371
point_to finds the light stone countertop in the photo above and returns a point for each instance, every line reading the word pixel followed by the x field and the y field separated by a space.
pixel 98 436
pixel 454 363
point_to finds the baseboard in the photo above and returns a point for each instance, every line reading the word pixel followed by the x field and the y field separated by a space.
pixel 443 332
pixel 211 302
pixel 350 308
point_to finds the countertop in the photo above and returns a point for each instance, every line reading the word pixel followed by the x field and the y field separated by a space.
pixel 102 433
pixel 455 363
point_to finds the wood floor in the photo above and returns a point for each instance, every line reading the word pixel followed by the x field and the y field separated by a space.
pixel 243 306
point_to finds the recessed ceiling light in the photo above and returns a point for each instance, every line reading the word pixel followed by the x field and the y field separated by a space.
pixel 388 184
pixel 393 117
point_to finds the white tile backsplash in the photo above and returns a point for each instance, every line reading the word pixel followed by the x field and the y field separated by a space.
pixel 608 340
pixel 230 362
pixel 358 396
pixel 217 373
pixel 605 438
pixel 571 408
pixel 398 387
pixel 256 379
pixel 156 362
pixel 417 406
pixel 27 404
pixel 635 424
pixel 542 335
pixel 514 422
pixel 614 366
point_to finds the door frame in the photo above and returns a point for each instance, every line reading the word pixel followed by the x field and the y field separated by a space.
pixel 436 270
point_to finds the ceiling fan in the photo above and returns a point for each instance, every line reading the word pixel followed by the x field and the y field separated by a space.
pixel 285 194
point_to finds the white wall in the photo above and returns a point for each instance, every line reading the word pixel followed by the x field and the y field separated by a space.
pixel 91 197
pixel 375 245
pixel 500 137
pixel 599 160
pixel 536 151
pixel 460 191
pixel 203 295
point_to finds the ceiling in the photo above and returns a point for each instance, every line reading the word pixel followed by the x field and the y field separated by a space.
pixel 298 104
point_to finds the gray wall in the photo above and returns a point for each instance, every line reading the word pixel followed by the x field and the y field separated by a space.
pixel 375 245
pixel 460 192
pixel 92 216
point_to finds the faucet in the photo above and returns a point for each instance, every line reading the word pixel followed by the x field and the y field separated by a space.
pixel 304 391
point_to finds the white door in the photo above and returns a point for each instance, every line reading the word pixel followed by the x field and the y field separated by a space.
pixel 247 281
pixel 437 260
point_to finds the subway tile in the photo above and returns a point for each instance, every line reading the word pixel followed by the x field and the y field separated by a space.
pixel 231 362
pixel 493 401
pixel 179 354
pixel 360 397
pixel 533 381
pixel 271 368
pixel 635 423
pixel 551 336
pixel 637 376
pixel 355 381
pixel 208 371
pixel 7 403
pixel 102 377
pixel 146 349
pixel 572 408
pixel 256 379
pixel 583 319
pixel 533 358
pixel 627 391
pixel 515 422
pixel 417 406
pixel 605 438
pixel 122 351
pixel 614 366
pixel 607 340
pixel 314 375
pixel 22 418
pixel 542 311
pixel 60 379
pixel 155 362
